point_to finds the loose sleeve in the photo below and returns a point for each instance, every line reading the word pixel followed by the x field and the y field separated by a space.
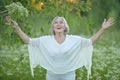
pixel 86 42
pixel 87 49
pixel 35 42
pixel 33 48
pixel 38 53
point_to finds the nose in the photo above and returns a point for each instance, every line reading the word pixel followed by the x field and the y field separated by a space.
pixel 58 24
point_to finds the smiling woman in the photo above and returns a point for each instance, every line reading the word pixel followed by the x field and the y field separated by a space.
pixel 59 53
pixel 59 23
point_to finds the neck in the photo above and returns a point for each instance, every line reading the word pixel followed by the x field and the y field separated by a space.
pixel 60 38
pixel 59 35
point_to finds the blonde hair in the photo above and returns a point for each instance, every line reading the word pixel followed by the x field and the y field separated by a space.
pixel 65 22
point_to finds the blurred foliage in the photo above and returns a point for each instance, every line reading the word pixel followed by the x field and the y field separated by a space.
pixel 17 11
pixel 104 9
pixel 84 18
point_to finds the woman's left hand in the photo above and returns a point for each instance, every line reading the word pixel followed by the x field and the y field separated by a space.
pixel 108 23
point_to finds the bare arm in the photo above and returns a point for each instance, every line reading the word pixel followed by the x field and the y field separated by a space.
pixel 20 33
pixel 105 25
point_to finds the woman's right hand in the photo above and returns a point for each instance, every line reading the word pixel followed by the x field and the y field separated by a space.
pixel 20 33
pixel 9 21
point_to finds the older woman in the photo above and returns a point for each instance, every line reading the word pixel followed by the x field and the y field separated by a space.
pixel 59 53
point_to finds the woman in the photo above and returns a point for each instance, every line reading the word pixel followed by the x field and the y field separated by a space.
pixel 60 54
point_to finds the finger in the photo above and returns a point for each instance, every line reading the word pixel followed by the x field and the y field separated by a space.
pixel 8 19
pixel 112 23
pixel 104 20
pixel 7 23
pixel 111 19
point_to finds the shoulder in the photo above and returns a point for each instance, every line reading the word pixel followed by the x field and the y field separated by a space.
pixel 45 38
pixel 74 36
pixel 41 37
pixel 77 37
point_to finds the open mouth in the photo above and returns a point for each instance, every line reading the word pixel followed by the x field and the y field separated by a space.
pixel 58 28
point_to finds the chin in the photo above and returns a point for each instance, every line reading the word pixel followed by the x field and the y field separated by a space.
pixel 59 31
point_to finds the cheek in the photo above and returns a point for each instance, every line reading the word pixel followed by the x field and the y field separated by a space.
pixel 64 27
pixel 54 28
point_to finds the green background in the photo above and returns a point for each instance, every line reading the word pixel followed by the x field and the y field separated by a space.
pixel 84 18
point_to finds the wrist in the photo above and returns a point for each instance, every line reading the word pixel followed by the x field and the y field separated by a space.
pixel 16 27
pixel 103 29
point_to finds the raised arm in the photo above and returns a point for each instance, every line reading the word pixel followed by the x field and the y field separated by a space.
pixel 105 25
pixel 20 33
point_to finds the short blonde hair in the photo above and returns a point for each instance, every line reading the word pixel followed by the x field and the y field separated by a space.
pixel 65 22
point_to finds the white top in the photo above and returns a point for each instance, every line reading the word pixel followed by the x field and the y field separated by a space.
pixel 72 54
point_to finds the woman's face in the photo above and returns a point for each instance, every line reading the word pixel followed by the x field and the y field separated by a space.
pixel 59 26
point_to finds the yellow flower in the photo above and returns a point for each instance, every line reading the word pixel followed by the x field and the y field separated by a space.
pixel 37 6
pixel 41 3
pixel 33 1
pixel 72 1
pixel 89 2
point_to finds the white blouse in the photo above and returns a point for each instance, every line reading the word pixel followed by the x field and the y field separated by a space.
pixel 72 54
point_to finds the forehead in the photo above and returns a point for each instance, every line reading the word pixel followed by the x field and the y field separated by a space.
pixel 59 19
